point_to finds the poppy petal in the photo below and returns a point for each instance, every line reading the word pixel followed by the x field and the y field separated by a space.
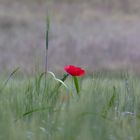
pixel 74 70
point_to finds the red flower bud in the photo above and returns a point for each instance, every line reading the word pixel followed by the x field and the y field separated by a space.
pixel 74 70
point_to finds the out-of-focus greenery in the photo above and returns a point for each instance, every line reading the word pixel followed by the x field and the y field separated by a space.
pixel 108 109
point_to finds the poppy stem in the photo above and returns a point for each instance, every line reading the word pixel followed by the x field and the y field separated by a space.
pixel 59 84
pixel 76 84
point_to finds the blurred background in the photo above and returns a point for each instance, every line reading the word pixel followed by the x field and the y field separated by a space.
pixel 94 34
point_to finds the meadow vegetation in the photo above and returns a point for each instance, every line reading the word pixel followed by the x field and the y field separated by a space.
pixel 108 108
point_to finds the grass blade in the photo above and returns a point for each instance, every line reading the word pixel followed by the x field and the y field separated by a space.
pixel 61 81
pixel 76 84
pixel 5 83
pixel 47 43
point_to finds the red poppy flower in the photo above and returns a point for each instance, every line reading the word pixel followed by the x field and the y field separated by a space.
pixel 74 70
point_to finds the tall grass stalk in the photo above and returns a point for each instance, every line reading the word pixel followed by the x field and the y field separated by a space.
pixel 47 47
pixel 47 42
pixel 9 77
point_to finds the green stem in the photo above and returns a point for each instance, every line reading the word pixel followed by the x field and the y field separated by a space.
pixel 59 84
pixel 47 42
pixel 47 45
pixel 76 84
pixel 63 79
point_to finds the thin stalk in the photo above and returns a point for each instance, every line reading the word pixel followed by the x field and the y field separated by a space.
pixel 5 83
pixel 47 46
pixel 59 85
pixel 47 43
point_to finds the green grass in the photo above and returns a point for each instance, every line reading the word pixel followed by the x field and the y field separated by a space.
pixel 108 109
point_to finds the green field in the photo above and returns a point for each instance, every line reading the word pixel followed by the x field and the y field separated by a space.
pixel 107 109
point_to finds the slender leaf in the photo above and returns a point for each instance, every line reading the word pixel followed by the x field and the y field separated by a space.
pixel 76 84
pixel 5 83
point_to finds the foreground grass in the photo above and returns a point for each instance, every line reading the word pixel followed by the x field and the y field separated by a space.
pixel 108 109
